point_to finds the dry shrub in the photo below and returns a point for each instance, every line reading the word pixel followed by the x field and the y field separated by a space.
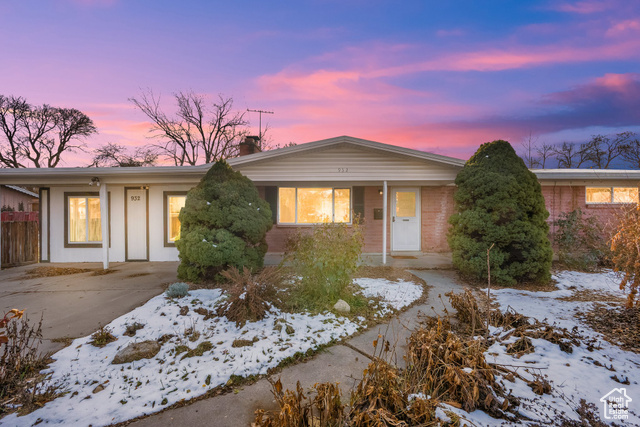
pixel 454 370
pixel 102 337
pixel 626 253
pixel 250 295
pixel 297 410
pixel 21 385
pixel 467 310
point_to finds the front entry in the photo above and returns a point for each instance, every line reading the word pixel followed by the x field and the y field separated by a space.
pixel 136 224
pixel 405 219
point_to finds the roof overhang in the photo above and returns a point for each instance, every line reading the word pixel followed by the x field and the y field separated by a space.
pixel 585 176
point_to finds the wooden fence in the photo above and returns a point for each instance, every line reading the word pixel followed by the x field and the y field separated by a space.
pixel 19 238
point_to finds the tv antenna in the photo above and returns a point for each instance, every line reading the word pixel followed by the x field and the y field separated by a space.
pixel 260 112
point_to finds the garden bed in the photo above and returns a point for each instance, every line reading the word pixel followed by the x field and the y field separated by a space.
pixel 199 352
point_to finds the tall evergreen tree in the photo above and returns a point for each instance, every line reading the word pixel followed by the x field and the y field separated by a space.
pixel 223 223
pixel 500 201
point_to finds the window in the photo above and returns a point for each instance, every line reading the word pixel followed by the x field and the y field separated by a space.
pixel 314 205
pixel 83 223
pixel 173 203
pixel 612 194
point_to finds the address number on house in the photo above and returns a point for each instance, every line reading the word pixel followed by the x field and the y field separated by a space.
pixel 343 170
pixel 135 198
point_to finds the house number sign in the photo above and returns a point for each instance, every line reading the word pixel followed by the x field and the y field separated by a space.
pixel 343 170
pixel 135 198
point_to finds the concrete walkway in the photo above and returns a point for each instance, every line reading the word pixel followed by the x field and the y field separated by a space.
pixel 340 363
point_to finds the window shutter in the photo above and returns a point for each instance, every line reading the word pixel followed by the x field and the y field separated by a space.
pixel 271 196
pixel 358 202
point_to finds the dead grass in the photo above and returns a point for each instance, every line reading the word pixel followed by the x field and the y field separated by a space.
pixel 103 272
pixel 387 272
pixel 620 326
pixel 54 271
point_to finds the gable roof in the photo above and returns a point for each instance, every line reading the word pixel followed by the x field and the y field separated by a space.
pixel 22 190
pixel 345 141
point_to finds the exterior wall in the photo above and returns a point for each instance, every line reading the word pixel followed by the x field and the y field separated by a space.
pixel 340 163
pixel 437 207
pixel 157 250
pixel 559 199
pixel 13 198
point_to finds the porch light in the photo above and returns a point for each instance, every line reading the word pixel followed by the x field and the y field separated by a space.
pixel 380 192
pixel 95 180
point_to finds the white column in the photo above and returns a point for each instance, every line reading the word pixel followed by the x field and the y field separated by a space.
pixel 384 222
pixel 104 222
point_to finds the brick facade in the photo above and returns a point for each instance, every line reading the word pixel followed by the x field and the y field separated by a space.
pixel 436 207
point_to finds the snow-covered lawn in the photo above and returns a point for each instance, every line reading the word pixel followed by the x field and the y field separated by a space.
pixel 582 374
pixel 148 385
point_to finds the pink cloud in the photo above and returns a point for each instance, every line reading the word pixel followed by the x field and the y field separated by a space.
pixel 622 27
pixel 584 7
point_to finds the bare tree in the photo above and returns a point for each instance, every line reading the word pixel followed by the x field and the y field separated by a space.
pixel 544 152
pixel 115 155
pixel 570 155
pixel 602 150
pixel 632 154
pixel 198 132
pixel 39 135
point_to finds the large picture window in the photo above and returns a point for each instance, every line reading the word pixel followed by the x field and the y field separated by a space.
pixel 313 205
pixel 612 194
pixel 173 203
pixel 83 222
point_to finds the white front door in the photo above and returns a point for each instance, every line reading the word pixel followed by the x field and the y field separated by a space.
pixel 136 224
pixel 405 219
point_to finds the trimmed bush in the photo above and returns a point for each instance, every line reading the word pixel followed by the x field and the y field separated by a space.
pixel 500 201
pixel 325 260
pixel 581 241
pixel 223 224
pixel 177 290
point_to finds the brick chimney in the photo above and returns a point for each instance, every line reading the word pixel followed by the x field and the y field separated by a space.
pixel 249 145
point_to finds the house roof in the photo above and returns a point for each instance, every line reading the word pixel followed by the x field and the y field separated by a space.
pixel 23 190
pixel 345 140
pixel 587 174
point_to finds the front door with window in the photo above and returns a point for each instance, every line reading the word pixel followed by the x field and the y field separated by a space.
pixel 405 219
pixel 136 230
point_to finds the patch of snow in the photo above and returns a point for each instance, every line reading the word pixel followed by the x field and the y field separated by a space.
pixel 395 295
pixel 582 374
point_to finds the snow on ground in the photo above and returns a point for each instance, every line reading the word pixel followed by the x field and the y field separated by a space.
pixel 394 296
pixel 149 385
pixel 582 374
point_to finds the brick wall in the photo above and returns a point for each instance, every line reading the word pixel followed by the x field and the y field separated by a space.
pixel 437 207
pixel 560 199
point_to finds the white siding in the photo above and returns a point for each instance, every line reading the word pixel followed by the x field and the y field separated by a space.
pixel 157 250
pixel 347 164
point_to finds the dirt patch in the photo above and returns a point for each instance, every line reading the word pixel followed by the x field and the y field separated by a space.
pixel 103 272
pixel 593 296
pixel 138 275
pixel 620 326
pixel 387 272
pixel 54 271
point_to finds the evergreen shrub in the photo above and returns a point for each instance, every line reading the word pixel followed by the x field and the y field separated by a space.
pixel 177 290
pixel 223 224
pixel 500 201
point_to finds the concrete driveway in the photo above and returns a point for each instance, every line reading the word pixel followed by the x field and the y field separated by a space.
pixel 76 305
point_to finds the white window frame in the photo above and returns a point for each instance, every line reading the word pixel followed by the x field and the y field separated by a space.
pixel 333 205
pixel 611 201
